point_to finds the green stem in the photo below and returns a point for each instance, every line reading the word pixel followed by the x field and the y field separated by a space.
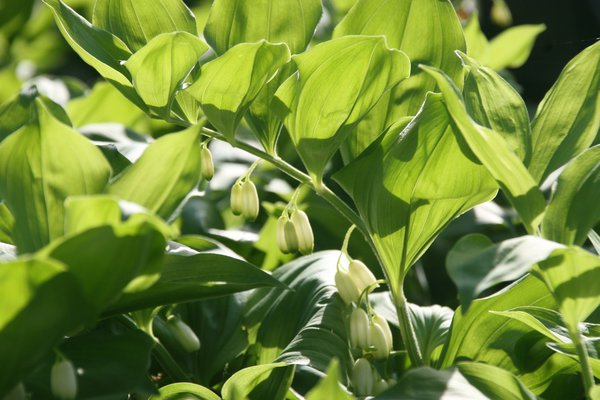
pixel 586 367
pixel 409 336
pixel 168 363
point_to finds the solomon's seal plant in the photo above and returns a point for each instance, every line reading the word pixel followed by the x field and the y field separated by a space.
pixel 125 242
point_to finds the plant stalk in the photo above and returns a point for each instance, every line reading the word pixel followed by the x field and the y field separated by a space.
pixel 407 331
pixel 586 367
pixel 169 364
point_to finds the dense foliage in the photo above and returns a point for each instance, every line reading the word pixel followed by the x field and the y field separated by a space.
pixel 244 203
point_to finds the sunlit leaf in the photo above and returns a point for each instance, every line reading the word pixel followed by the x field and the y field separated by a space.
pixel 175 391
pixel 322 106
pixel 266 381
pixel 511 48
pixel 428 31
pixel 167 171
pixel 42 164
pixel 226 100
pixel 494 152
pixel 329 387
pixel 494 382
pixel 568 119
pixel 232 22
pixel 137 22
pixel 475 264
pixel 404 191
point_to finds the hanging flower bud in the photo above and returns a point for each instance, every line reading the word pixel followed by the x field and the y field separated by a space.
pixel 500 14
pixel 362 377
pixel 63 380
pixel 281 241
pixel 17 393
pixel 379 342
pixel 385 327
pixel 207 167
pixel 380 387
pixel 346 287
pixel 304 233
pixel 184 334
pixel 359 329
pixel 236 199
pixel 291 238
pixel 361 275
pixel 250 202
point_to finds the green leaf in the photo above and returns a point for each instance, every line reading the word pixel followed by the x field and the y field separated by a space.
pixel 429 384
pixel 477 42
pixel 475 264
pixel 304 325
pixel 100 49
pixel 428 31
pixel 543 320
pixel 195 277
pixel 127 255
pixel 225 100
pixel 177 391
pixel 512 47
pixel 165 174
pixel 137 22
pixel 40 303
pixel 42 164
pixel 571 275
pixel 113 364
pixel 322 106
pixel 494 152
pixel 569 217
pixel 86 212
pixel 329 387
pixel 267 381
pixel 494 382
pixel 159 68
pixel 568 119
pixel 404 191
pixel 7 224
pixel 595 240
pixel 494 103
pixel 232 22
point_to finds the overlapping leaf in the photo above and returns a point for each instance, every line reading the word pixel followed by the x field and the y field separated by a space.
pixel 322 105
pixel 41 164
pixel 568 119
pixel 428 31
pixel 137 22
pixel 569 217
pixel 225 100
pixel 408 186
pixel 266 381
pixel 494 152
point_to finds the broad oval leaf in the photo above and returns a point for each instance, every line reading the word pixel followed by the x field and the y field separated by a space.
pixel 494 152
pixel 177 391
pixel 428 31
pixel 159 68
pixel 232 22
pixel 569 217
pixel 494 382
pixel 266 381
pixel 321 105
pixel 137 22
pixel 195 277
pixel 494 103
pixel 42 164
pixel 329 387
pixel 475 264
pixel 571 275
pixel 568 119
pixel 225 100
pixel 511 48
pixel 40 303
pixel 409 185
pixel 165 174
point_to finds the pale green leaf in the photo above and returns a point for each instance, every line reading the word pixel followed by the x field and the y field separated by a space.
pixel 511 48
pixel 225 100
pixel 86 212
pixel 40 303
pixel 336 85
pixel 42 164
pixel 165 174
pixel 266 381
pixel 571 275
pixel 428 32
pixel 475 264
pixel 494 103
pixel 494 152
pixel 494 382
pixel 329 387
pixel 570 215
pixel 195 277
pixel 477 42
pixel 175 391
pixel 595 240
pixel 408 186
pixel 544 321
pixel 568 119
pixel 232 22
pixel 137 22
